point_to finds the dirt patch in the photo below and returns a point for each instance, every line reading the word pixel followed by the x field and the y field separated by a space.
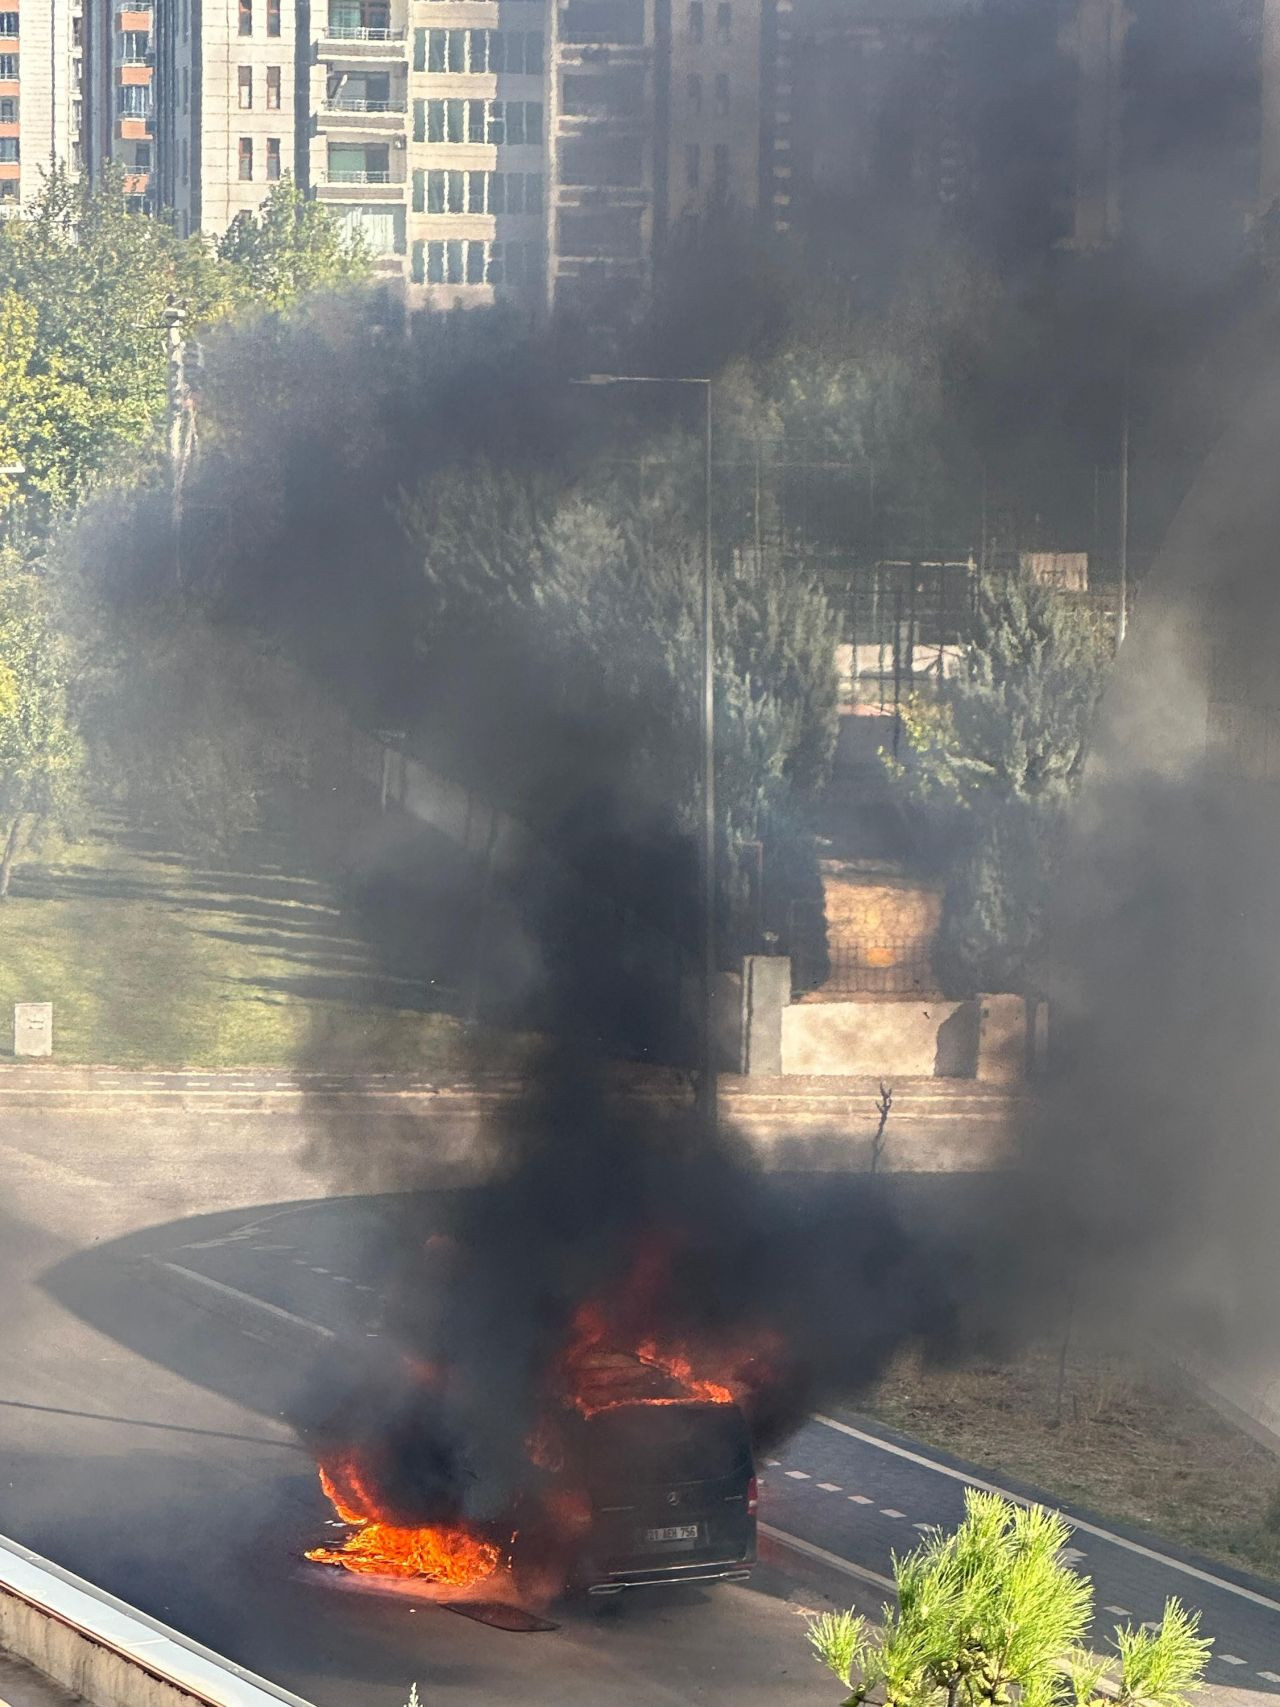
pixel 1127 1440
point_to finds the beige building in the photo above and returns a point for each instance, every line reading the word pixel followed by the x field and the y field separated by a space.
pixel 41 82
pixel 538 152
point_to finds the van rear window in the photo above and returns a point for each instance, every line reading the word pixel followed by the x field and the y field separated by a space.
pixel 668 1443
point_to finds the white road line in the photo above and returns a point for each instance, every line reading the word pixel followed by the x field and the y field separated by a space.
pixel 797 1475
pixel 1077 1523
pixel 831 1487
pixel 1271 1676
pixel 832 1559
pixel 924 1528
pixel 888 1511
pixel 861 1499
pixel 773 1463
pixel 1120 1611
pixel 225 1291
pixel 1231 1659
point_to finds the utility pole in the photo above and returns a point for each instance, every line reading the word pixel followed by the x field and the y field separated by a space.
pixel 1122 615
pixel 174 324
pixel 708 1065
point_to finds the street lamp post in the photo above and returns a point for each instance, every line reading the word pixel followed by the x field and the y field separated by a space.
pixel 707 1066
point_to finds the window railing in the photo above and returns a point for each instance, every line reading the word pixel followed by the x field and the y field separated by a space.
pixel 359 175
pixel 338 31
pixel 361 104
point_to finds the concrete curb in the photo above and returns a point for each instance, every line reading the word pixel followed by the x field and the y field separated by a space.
pixel 108 1652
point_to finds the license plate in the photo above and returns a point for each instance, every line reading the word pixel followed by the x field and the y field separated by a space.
pixel 679 1532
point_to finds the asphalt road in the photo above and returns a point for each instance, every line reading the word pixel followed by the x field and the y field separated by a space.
pixel 142 1386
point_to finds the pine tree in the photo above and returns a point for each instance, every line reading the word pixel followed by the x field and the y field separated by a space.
pixel 995 762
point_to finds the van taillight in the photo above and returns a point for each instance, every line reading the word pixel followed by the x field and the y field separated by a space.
pixel 753 1497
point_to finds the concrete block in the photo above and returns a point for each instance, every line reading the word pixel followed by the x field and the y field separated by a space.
pixel 33 1028
pixel 766 993
pixel 1002 1039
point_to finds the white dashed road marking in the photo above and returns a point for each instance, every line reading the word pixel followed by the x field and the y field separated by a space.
pixel 773 1463
pixel 1077 1523
pixel 846 1566
pixel 924 1528
pixel 797 1475
pixel 1271 1676
pixel 1232 1660
pixel 888 1511
pixel 831 1487
pixel 861 1499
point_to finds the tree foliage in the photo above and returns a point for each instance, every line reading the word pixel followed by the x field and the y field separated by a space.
pixel 993 763
pixel 990 1613
pixel 291 247
pixel 84 287
pixel 40 753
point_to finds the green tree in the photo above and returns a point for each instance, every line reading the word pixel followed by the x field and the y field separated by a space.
pixel 91 280
pixel 993 762
pixel 40 753
pixel 290 248
pixel 990 1612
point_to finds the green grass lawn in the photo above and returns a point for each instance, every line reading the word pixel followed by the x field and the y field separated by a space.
pixel 154 960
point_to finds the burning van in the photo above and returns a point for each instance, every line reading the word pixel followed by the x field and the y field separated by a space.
pixel 647 1483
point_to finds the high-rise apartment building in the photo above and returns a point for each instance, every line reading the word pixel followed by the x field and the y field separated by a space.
pixel 41 55
pixel 539 152
pixel 119 93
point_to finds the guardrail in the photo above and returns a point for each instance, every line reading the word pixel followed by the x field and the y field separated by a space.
pixel 109 1652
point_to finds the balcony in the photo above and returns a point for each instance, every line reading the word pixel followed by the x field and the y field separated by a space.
pixel 134 129
pixel 362 32
pixel 363 100
pixel 135 18
pixel 368 172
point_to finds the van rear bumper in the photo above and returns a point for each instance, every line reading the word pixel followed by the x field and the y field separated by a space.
pixel 703 1571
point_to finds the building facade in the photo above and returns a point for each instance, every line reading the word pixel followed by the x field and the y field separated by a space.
pixel 120 94
pixel 538 152
pixel 41 81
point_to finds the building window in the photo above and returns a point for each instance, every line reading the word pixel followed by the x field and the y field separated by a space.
pixel 695 93
pixel 692 165
pixel 77 115
pixel 273 159
pixel 133 100
pixel 186 19
pixel 77 156
pixel 722 96
pixel 77 32
pixel 695 20
pixel 473 51
pixel 246 17
pixel 8 67
pixel 9 150
pixel 8 109
pixel 273 88
pixel 142 156
pixel 724 20
pixel 184 160
pixel 516 122
pixel 8 23
pixel 134 46
pixel 440 191
pixel 8 189
pixel 246 159
pixel 273 17
pixel 721 169
pixel 461 260
pixel 244 81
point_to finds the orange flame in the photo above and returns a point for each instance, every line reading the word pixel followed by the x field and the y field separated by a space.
pixel 448 1554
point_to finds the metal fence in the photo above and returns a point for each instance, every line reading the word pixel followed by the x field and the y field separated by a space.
pixel 832 965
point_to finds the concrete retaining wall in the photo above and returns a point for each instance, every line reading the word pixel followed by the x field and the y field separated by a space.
pixel 995 1039
pixel 109 1653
